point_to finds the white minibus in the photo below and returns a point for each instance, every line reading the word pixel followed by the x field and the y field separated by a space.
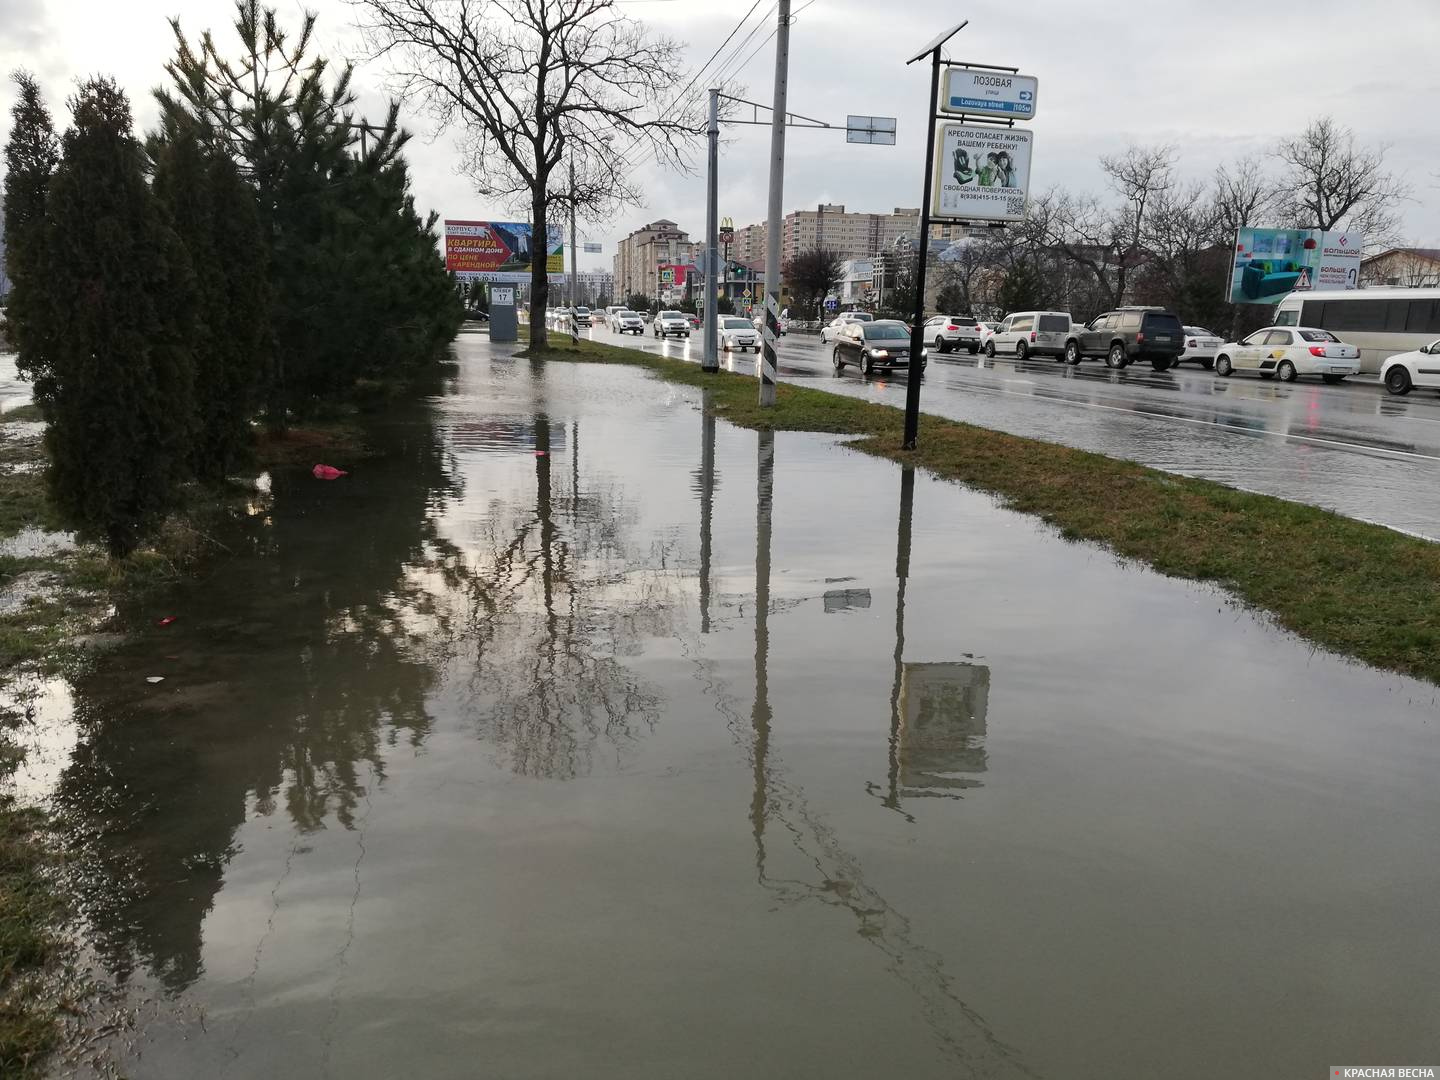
pixel 1379 321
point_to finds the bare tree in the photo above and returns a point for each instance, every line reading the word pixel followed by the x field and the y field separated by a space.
pixel 1335 185
pixel 536 86
pixel 1243 195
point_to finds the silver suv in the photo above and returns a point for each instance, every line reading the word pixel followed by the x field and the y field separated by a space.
pixel 672 322
pixel 948 332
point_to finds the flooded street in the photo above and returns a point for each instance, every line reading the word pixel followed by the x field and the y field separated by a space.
pixel 583 736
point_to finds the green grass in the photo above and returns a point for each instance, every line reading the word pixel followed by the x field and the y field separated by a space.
pixel 29 943
pixel 1360 590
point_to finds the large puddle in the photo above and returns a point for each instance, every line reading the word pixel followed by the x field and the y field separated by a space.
pixel 585 737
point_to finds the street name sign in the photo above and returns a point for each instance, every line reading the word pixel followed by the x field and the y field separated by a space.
pixel 591 249
pixel 989 93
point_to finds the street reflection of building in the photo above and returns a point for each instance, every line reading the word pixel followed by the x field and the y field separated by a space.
pixel 942 728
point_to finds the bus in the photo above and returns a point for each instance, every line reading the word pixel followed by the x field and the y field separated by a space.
pixel 1380 321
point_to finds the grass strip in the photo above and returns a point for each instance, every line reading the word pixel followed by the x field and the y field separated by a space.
pixel 1360 590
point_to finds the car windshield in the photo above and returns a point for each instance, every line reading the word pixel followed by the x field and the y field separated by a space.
pixel 1319 335
pixel 886 332
pixel 960 320
pixel 582 311
pixel 738 324
pixel 1161 323
pixel 622 314
pixel 671 315
pixel 860 316
pixel 1199 331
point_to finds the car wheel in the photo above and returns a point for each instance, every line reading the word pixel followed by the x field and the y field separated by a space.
pixel 1160 363
pixel 867 366
pixel 940 345
pixel 990 349
pixel 1072 353
pixel 1022 350
pixel 1116 358
pixel 1397 380
pixel 1333 380
pixel 1286 371
pixel 1223 367
pixel 837 361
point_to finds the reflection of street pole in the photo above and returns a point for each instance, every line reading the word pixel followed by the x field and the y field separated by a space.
pixel 902 578
pixel 760 714
pixel 707 501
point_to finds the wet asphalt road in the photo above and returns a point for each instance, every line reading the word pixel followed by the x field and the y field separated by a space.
pixel 1351 448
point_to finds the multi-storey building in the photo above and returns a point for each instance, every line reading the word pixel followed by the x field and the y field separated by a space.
pixel 640 255
pixel 849 235
pixel 749 244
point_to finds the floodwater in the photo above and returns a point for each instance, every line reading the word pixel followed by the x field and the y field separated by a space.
pixel 13 392
pixel 586 737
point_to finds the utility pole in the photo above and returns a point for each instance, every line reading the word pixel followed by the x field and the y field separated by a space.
pixel 574 266
pixel 917 331
pixel 771 333
pixel 711 361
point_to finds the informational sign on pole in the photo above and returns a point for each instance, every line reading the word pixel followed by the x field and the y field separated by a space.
pixel 981 173
pixel 590 248
pixel 989 93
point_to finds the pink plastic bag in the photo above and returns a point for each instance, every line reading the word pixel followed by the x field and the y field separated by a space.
pixel 327 472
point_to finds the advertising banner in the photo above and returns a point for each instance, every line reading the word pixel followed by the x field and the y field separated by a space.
pixel 981 173
pixel 499 250
pixel 1270 263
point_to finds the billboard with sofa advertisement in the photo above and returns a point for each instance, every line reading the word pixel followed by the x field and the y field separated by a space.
pixel 499 250
pixel 1270 263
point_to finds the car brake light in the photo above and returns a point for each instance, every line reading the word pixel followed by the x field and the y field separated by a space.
pixel 1032 335
pixel 952 328
pixel 1191 344
pixel 1317 350
pixel 1139 337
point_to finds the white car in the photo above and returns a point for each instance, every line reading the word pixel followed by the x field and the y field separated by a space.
pixel 628 322
pixel 1287 352
pixel 759 323
pixel 1407 370
pixel 737 333
pixel 1201 345
pixel 671 322
pixel 831 330
pixel 948 332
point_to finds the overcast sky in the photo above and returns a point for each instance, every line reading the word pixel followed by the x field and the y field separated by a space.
pixel 1216 77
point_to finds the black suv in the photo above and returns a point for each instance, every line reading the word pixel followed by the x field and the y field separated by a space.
pixel 1126 334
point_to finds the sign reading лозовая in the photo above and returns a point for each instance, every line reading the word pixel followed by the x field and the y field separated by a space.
pixel 989 93
pixel 981 173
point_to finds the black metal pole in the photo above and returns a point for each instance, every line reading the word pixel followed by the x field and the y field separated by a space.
pixel 917 332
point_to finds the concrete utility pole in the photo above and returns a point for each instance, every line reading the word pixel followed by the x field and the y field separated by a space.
pixel 774 220
pixel 574 266
pixel 711 361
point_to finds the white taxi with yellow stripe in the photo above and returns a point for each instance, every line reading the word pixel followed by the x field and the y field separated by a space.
pixel 1287 352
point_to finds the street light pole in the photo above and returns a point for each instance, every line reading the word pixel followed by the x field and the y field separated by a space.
pixel 771 334
pixel 711 361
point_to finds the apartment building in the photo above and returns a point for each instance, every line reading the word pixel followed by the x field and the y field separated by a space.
pixel 749 244
pixel 640 255
pixel 851 235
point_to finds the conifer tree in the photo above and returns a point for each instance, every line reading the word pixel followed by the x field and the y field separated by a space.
pixel 213 213
pixel 31 154
pixel 121 409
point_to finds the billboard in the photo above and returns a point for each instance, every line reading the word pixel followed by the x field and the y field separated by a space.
pixel 499 250
pixel 1270 263
pixel 981 173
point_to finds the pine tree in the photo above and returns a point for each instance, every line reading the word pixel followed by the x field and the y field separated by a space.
pixel 30 158
pixel 121 413
pixel 213 213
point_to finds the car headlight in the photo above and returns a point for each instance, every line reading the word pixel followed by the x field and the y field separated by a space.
pixel 878 352
pixel 924 352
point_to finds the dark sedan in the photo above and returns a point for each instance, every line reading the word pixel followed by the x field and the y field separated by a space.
pixel 883 345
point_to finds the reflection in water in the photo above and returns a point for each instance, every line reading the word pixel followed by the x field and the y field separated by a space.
pixel 550 611
pixel 286 672
pixel 705 485
pixel 937 711
pixel 811 865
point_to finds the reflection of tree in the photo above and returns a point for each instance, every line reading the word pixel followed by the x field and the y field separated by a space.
pixel 556 597
pixel 287 670
pixel 824 872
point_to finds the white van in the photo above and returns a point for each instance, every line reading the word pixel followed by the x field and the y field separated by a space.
pixel 1025 333
pixel 1379 321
